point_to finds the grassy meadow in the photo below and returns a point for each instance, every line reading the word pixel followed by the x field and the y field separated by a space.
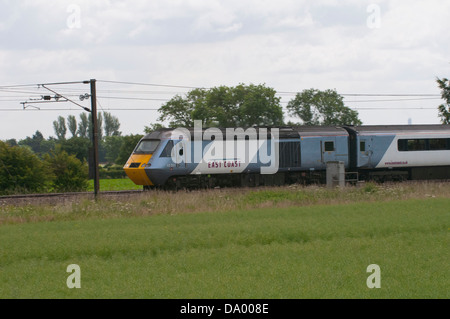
pixel 287 242
pixel 117 184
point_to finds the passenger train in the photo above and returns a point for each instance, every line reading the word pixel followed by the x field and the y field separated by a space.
pixel 211 157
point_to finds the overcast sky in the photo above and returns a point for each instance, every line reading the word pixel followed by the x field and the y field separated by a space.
pixel 386 48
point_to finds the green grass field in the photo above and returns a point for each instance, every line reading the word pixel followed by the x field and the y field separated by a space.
pixel 118 184
pixel 315 250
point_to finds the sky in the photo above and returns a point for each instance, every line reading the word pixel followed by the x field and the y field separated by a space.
pixel 382 56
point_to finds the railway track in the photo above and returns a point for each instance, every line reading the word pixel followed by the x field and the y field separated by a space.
pixel 58 197
pixel 30 198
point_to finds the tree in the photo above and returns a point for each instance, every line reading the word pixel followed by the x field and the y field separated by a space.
pixel 111 124
pixel 77 146
pixel 60 128
pixel 444 109
pixel 34 142
pixel 316 107
pixel 128 144
pixel 72 124
pixel 258 106
pixel 243 105
pixel 153 127
pixel 12 142
pixel 38 144
pixel 83 126
pixel 21 170
pixel 111 145
pixel 179 110
pixel 70 174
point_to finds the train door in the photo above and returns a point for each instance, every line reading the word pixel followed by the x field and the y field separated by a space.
pixel 365 151
pixel 328 149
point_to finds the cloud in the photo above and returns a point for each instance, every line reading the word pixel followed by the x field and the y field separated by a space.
pixel 288 44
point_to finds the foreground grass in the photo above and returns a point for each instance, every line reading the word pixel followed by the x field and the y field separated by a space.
pixel 216 200
pixel 118 184
pixel 315 251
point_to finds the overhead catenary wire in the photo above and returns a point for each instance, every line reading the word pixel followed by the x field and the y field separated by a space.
pixel 142 95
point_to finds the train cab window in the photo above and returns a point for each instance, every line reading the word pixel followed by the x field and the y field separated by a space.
pixel 167 151
pixel 362 146
pixel 329 146
pixel 147 146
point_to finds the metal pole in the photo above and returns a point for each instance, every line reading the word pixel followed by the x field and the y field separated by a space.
pixel 95 135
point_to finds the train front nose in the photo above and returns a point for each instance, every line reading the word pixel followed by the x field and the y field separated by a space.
pixel 135 169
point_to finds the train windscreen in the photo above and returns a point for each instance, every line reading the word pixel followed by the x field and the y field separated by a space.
pixel 147 146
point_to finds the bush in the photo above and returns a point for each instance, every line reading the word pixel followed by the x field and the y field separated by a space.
pixel 22 171
pixel 112 172
pixel 70 174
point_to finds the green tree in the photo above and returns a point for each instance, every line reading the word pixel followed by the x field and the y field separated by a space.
pixel 316 107
pixel 112 145
pixel 60 128
pixel 22 171
pixel 72 124
pixel 178 111
pixel 12 142
pixel 38 144
pixel 77 146
pixel 70 174
pixel 33 142
pixel 111 125
pixel 243 105
pixel 444 109
pixel 83 126
pixel 153 127
pixel 128 144
pixel 258 106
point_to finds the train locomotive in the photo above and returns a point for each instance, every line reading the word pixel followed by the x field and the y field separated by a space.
pixel 257 156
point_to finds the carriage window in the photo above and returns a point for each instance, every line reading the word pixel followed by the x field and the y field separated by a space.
pixel 362 146
pixel 432 144
pixel 329 146
pixel 416 145
pixel 438 144
pixel 402 145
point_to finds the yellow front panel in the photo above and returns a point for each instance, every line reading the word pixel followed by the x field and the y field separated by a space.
pixel 135 169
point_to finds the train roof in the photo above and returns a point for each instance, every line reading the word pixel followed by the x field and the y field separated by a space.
pixel 306 130
pixel 284 131
pixel 400 128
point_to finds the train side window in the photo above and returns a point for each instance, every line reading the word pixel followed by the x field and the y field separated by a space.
pixel 402 145
pixel 432 144
pixel 416 145
pixel 362 146
pixel 167 151
pixel 438 144
pixel 329 146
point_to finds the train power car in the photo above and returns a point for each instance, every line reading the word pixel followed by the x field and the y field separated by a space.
pixel 209 157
